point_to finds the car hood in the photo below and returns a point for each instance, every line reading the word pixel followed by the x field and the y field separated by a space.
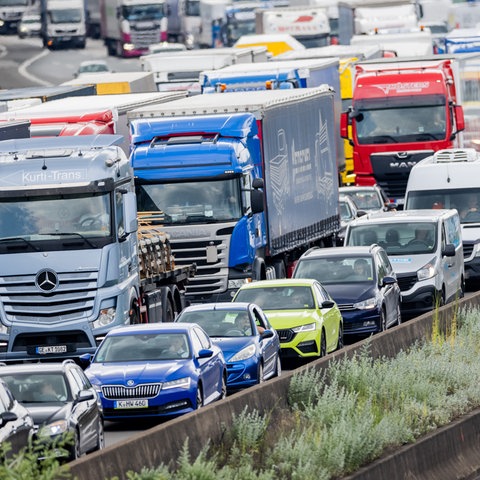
pixel 140 372
pixel 471 232
pixel 231 346
pixel 350 292
pixel 48 412
pixel 410 263
pixel 281 319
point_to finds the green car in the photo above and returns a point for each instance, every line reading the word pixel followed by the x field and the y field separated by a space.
pixel 306 318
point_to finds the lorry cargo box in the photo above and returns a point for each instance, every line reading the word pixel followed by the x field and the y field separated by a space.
pixel 46 94
pixel 117 82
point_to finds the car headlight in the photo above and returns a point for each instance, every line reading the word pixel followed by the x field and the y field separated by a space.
pixel 53 429
pixel 367 304
pixel 180 383
pixel 105 317
pixel 243 354
pixel 426 272
pixel 305 328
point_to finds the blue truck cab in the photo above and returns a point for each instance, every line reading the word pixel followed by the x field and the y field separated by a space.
pixel 242 182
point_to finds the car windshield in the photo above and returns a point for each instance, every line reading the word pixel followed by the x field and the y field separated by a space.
pixel 331 270
pixel 93 67
pixel 365 199
pixel 397 238
pixel 278 298
pixel 38 387
pixel 143 348
pixel 220 323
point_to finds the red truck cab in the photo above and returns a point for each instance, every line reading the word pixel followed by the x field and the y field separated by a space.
pixel 403 110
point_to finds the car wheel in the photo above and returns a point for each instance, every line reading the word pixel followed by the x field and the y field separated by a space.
pixel 278 367
pixel 223 393
pixel 340 342
pixel 100 436
pixel 260 378
pixel 382 321
pixel 323 344
pixel 199 399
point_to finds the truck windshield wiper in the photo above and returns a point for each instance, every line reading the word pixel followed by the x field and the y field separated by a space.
pixel 14 239
pixel 70 234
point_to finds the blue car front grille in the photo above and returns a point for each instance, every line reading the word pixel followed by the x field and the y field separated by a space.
pixel 114 392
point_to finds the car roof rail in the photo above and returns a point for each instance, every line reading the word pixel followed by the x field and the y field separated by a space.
pixel 311 249
pixel 373 245
pixel 68 361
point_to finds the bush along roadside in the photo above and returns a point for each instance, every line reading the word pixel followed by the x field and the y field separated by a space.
pixel 348 415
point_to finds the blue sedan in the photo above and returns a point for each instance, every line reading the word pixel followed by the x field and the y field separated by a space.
pixel 157 370
pixel 249 343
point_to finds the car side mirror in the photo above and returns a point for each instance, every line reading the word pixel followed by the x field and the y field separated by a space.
pixel 266 334
pixel 449 250
pixel 327 304
pixel 86 358
pixel 85 395
pixel 205 353
pixel 389 280
pixel 361 213
pixel 7 417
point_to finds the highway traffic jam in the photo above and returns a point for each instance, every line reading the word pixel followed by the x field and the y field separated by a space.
pixel 270 182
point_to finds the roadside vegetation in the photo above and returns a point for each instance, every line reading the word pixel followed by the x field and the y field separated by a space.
pixel 345 416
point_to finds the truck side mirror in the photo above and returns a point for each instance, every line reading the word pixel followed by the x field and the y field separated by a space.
pixel 130 212
pixel 344 125
pixel 258 205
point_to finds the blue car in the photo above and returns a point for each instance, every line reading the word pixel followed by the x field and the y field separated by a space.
pixel 362 282
pixel 157 370
pixel 250 345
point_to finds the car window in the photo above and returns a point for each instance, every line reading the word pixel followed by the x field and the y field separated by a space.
pixel 80 379
pixel 260 321
pixel 200 340
pixel 322 294
pixel 5 400
pixel 386 262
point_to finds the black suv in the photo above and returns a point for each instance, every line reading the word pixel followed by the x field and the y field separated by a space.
pixel 16 424
pixel 60 399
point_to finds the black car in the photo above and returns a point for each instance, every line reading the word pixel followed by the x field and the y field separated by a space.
pixel 60 399
pixel 362 282
pixel 16 424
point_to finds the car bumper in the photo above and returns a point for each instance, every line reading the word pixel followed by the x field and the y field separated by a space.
pixel 303 345
pixel 361 322
pixel 242 374
pixel 472 269
pixel 418 302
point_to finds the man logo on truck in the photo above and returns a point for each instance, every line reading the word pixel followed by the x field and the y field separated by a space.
pixel 46 280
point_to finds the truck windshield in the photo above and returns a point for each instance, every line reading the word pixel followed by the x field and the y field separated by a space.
pixel 397 238
pixel 14 3
pixel 143 12
pixel 401 124
pixel 49 217
pixel 71 15
pixel 191 202
pixel 192 8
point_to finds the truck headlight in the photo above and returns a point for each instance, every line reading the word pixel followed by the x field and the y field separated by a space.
pixel 106 317
pixel 238 282
pixel 426 272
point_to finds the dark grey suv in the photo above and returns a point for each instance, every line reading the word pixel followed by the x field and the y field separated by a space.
pixel 362 282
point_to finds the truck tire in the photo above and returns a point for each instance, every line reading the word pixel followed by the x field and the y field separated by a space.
pixel 168 310
pixel 280 269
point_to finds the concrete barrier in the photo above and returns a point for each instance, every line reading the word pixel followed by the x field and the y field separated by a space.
pixel 454 448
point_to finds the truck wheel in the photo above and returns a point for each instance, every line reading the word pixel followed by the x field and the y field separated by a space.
pixel 119 49
pixel 280 269
pixel 168 311
pixel 134 315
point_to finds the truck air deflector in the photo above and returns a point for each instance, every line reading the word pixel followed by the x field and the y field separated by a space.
pixel 79 142
pixel 238 125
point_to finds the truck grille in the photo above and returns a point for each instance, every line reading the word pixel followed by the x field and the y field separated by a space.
pixel 212 275
pixel 73 298
pixel 114 392
pixel 144 38
pixel 406 282
pixel 391 170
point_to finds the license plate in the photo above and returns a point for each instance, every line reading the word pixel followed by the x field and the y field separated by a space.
pixel 66 39
pixel 51 349
pixel 131 404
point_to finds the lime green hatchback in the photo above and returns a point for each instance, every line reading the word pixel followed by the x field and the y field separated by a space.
pixel 306 318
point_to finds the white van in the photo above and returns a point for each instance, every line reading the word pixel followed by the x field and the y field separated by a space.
pixel 450 179
pixel 425 250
